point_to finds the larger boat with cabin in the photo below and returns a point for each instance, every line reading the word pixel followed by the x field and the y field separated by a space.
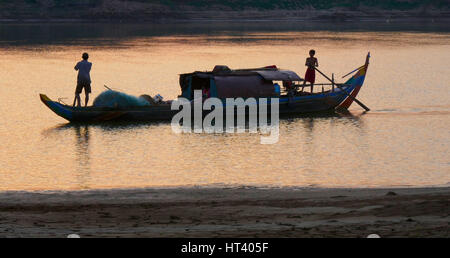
pixel 223 83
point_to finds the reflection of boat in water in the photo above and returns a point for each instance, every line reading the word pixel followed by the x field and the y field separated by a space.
pixel 224 83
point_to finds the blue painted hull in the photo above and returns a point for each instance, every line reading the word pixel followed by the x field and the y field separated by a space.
pixel 326 101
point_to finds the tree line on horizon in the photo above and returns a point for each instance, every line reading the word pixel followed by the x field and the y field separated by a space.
pixel 245 4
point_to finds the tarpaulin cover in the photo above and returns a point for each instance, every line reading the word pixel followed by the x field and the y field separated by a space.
pixel 243 86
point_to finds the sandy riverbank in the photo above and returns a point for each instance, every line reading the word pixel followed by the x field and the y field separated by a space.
pixel 227 212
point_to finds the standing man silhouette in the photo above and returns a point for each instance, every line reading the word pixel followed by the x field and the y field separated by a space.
pixel 311 63
pixel 83 80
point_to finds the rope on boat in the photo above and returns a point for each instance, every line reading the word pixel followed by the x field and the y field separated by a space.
pixel 111 88
pixel 60 100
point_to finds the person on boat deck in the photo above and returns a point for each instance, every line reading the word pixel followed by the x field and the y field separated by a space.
pixel 83 80
pixel 290 89
pixel 205 92
pixel 310 75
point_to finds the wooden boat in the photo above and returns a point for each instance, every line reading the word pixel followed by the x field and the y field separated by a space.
pixel 225 83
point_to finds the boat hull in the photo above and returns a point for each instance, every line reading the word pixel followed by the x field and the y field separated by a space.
pixel 287 106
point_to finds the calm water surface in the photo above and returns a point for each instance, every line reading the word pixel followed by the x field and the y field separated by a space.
pixel 403 141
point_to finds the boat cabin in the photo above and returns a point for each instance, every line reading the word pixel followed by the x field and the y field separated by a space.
pixel 222 82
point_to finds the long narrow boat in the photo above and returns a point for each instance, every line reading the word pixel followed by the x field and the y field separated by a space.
pixel 224 83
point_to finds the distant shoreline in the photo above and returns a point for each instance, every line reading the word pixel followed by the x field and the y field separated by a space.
pixel 363 20
pixel 155 11
pixel 227 212
pixel 253 15
pixel 314 20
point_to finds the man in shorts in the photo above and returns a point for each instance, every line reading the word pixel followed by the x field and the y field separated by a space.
pixel 311 63
pixel 83 80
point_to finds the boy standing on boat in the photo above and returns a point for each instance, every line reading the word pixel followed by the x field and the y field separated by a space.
pixel 83 80
pixel 310 74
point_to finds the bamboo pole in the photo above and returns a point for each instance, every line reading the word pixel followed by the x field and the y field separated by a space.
pixel 320 84
pixel 332 82
pixel 353 71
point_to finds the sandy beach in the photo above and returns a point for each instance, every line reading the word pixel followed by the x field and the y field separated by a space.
pixel 227 212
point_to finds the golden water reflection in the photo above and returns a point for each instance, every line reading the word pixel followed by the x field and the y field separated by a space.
pixel 402 141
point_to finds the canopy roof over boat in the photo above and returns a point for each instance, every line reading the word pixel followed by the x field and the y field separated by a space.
pixel 270 73
pixel 279 75
pixel 226 83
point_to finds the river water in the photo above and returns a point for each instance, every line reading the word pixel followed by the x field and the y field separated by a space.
pixel 403 141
